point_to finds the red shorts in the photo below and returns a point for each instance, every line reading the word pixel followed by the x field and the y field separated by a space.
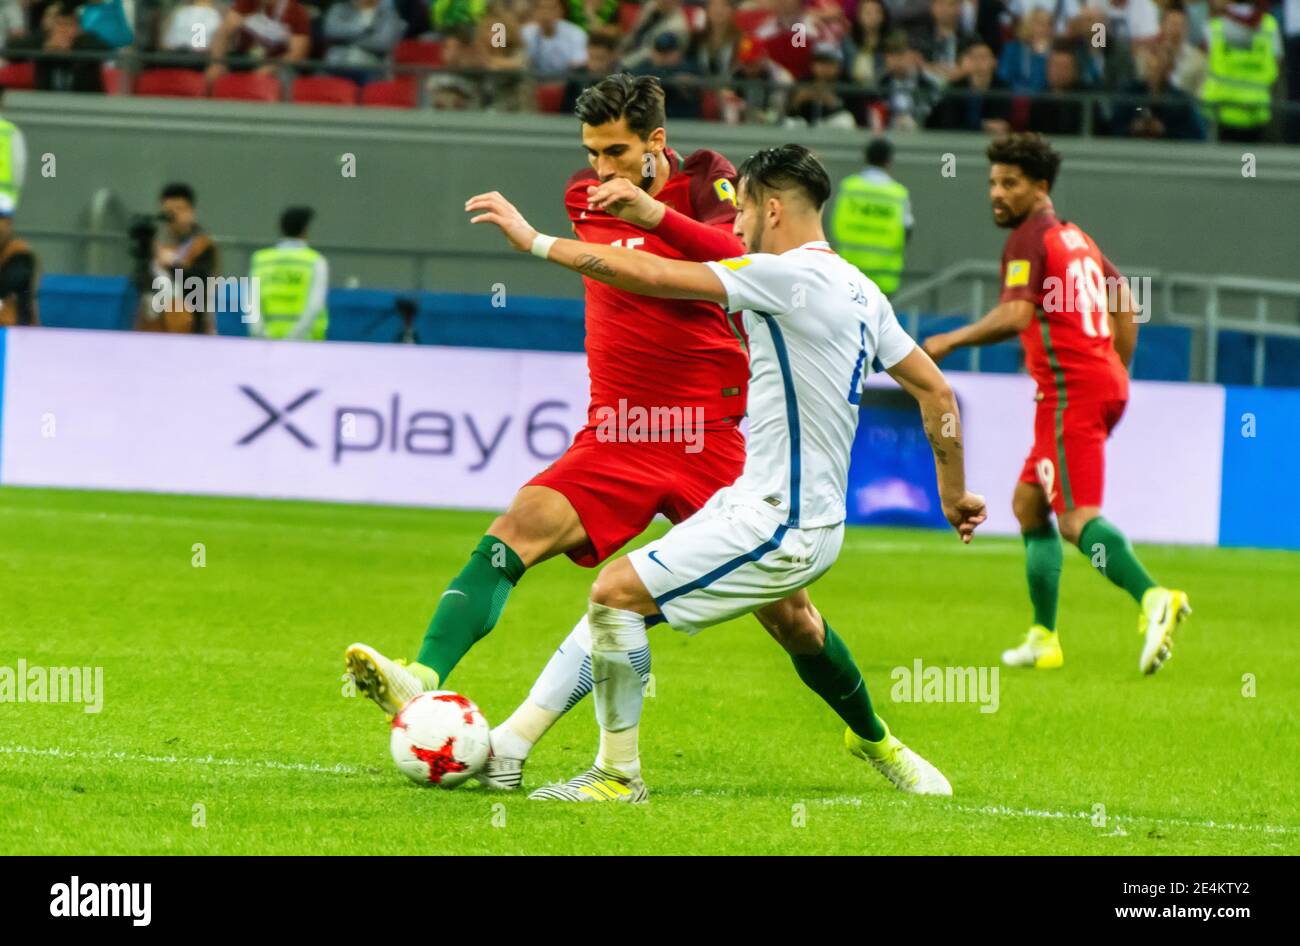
pixel 617 486
pixel 1068 459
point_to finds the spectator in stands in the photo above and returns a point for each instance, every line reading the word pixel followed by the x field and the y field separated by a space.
pixel 501 51
pixel 555 46
pixel 448 15
pixel 18 272
pixel 678 78
pixel 448 88
pixel 189 30
pixel 660 16
pixel 940 38
pixel 360 36
pixel 761 86
pixel 1189 62
pixel 789 34
pixel 62 33
pixel 415 15
pixel 908 13
pixel 713 49
pixel 13 21
pixel 977 100
pixel 907 89
pixel 867 40
pixel 1152 107
pixel 271 32
pixel 602 58
pixel 818 102
pixel 1054 114
pixel 1291 32
pixel 1023 65
pixel 290 280
pixel 592 15
pixel 107 19
pixel 183 252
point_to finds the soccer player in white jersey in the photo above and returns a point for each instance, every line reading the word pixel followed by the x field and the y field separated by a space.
pixel 815 327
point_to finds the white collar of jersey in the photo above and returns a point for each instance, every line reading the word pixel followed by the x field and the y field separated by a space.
pixel 816 245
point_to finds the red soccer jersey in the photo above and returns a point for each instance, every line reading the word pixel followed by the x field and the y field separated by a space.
pixel 664 352
pixel 1068 347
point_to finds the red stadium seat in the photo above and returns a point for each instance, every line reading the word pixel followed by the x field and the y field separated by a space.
pixel 113 84
pixel 418 52
pixel 18 75
pixel 249 86
pixel 324 90
pixel 1019 116
pixel 178 83
pixel 550 96
pixel 710 105
pixel 394 94
pixel 748 20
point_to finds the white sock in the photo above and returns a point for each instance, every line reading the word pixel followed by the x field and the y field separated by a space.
pixel 620 655
pixel 563 682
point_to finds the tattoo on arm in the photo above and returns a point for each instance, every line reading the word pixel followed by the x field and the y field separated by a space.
pixel 593 265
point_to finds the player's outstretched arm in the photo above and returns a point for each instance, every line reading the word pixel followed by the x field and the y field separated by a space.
pixel 633 271
pixel 1005 320
pixel 920 377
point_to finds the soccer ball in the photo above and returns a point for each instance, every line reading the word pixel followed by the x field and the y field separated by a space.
pixel 439 738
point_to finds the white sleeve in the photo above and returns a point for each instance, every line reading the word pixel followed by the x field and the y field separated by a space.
pixel 893 344
pixel 761 282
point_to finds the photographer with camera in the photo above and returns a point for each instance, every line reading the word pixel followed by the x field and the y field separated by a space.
pixel 178 269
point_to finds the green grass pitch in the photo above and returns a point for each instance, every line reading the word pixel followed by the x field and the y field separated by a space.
pixel 224 728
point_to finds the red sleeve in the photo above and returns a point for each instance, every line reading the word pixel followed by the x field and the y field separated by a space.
pixel 696 241
pixel 706 233
pixel 575 196
pixel 1023 261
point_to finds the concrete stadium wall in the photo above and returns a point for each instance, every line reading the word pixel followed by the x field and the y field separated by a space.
pixel 1181 207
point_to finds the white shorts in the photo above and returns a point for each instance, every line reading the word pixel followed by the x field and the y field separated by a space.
pixel 729 559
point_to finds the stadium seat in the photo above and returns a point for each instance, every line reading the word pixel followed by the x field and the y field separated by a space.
pixel 249 86
pixel 18 75
pixel 177 83
pixel 397 93
pixel 418 52
pixel 550 96
pixel 324 90
pixel 113 80
pixel 710 105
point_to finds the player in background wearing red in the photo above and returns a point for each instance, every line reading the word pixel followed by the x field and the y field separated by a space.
pixel 1078 340
pixel 675 355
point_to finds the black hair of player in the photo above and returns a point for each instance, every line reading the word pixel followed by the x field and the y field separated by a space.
pixel 1030 152
pixel 639 99
pixel 295 220
pixel 879 153
pixel 183 191
pixel 784 167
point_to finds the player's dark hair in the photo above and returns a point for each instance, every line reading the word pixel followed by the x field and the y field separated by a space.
pixel 639 99
pixel 1030 152
pixel 879 152
pixel 183 191
pixel 784 167
pixel 295 220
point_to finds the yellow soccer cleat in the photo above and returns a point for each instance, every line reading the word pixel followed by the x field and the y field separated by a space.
pixel 904 768
pixel 596 784
pixel 1041 649
pixel 387 682
pixel 1163 611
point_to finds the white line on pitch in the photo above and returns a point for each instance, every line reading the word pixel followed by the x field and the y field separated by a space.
pixel 338 768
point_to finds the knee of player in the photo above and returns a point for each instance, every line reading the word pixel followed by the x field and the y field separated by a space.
pixel 608 589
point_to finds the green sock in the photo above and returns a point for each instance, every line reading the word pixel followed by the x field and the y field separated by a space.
pixel 470 606
pixel 1043 570
pixel 1113 556
pixel 834 677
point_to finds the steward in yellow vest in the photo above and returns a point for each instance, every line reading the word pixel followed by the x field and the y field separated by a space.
pixel 289 282
pixel 871 219
pixel 13 162
pixel 1240 71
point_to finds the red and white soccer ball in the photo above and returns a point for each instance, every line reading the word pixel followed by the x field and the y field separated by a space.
pixel 439 738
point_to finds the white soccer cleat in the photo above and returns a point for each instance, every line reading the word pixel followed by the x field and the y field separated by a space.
pixel 1041 649
pixel 1163 610
pixel 596 784
pixel 904 768
pixel 502 774
pixel 389 684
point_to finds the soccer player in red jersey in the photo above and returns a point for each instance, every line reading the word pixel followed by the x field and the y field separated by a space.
pixel 680 361
pixel 1074 315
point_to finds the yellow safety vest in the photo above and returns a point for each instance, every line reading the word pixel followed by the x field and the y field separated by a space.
pixel 8 186
pixel 283 276
pixel 1237 81
pixel 867 225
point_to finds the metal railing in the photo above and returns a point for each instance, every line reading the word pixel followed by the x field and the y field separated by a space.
pixel 1260 308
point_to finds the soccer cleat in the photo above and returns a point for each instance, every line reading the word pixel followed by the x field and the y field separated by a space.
pixel 387 682
pixel 1163 610
pixel 903 767
pixel 1041 649
pixel 501 773
pixel 596 784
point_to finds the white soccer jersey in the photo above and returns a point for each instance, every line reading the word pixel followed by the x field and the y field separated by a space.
pixel 815 325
